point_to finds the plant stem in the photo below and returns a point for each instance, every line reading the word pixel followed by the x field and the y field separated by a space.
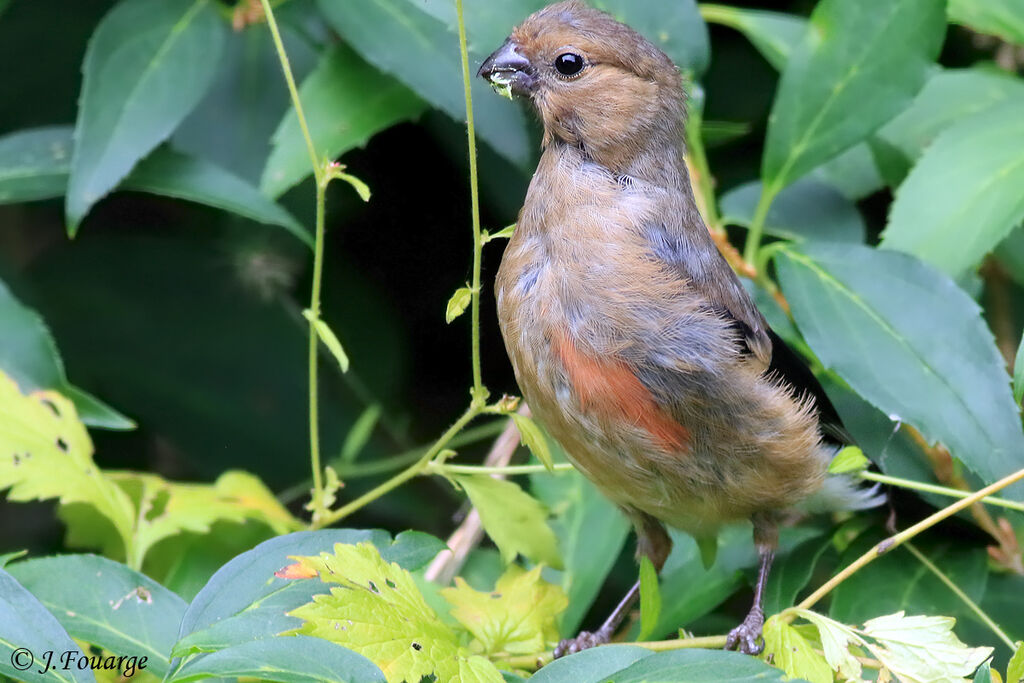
pixel 941 490
pixel 417 468
pixel 478 385
pixel 905 535
pixel 507 470
pixel 973 606
pixel 533 662
pixel 756 229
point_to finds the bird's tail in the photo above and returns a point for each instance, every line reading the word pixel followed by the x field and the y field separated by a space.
pixel 842 492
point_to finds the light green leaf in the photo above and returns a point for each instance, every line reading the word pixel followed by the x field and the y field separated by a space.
pixel 296 659
pixel 1003 18
pixel 399 38
pixel 380 613
pixel 361 188
pixel 1015 668
pixel 518 617
pixel 849 459
pixel 327 336
pixel 534 439
pixel 949 96
pixel 34 164
pixel 29 355
pixel 923 649
pixel 124 612
pixel 650 599
pixel 359 434
pixel 774 34
pixel 855 68
pixel 146 67
pixel 457 305
pixel 806 210
pixel 785 648
pixel 40 435
pixel 676 28
pixel 851 303
pixel 346 102
pixel 979 164
pixel 836 639
pixel 504 233
pixel 513 519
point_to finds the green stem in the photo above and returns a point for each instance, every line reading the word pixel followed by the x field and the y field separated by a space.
pixel 508 470
pixel 756 229
pixel 940 490
pixel 417 468
pixel 985 619
pixel 902 537
pixel 533 662
pixel 478 386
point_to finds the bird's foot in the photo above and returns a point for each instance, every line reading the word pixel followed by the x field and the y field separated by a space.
pixel 583 641
pixel 747 635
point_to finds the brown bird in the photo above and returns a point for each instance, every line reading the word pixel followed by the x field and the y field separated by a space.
pixel 631 338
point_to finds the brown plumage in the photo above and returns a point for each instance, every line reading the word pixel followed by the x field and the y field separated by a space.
pixel 631 338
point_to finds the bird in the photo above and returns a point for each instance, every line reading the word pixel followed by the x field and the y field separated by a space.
pixel 631 339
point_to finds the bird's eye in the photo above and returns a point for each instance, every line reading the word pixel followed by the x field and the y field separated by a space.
pixel 568 64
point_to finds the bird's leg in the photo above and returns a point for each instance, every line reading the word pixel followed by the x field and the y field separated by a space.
pixel 653 542
pixel 748 633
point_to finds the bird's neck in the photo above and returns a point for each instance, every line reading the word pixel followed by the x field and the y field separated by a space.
pixel 657 160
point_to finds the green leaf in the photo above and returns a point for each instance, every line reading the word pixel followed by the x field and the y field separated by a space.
pixel 836 639
pixel 591 532
pixel 534 439
pixel 806 210
pixel 244 601
pixel 124 612
pixel 172 174
pixel 295 659
pixel 1003 18
pixel 696 666
pixel 791 573
pixel 330 340
pixel 26 625
pixel 1015 668
pixel 853 172
pixel 346 102
pixel 851 303
pixel 650 599
pixel 676 28
pixel 595 665
pixel 457 305
pixel 361 188
pixel 949 96
pixel 29 355
pixel 1018 374
pixel 40 435
pixel 923 648
pixel 359 434
pixel 788 650
pixel 504 233
pixel 399 38
pixel 979 164
pixel 773 33
pixel 34 164
pixel 983 674
pixel 513 519
pixel 849 459
pixel 517 617
pixel 147 65
pixel 855 68
pixel 380 613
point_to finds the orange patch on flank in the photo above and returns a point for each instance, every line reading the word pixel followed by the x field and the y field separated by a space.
pixel 608 387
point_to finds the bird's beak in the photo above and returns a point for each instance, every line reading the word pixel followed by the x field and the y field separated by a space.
pixel 509 72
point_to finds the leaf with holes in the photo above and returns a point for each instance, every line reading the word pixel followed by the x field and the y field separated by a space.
pixel 379 613
pixel 518 617
pixel 147 65
pixel 855 68
pixel 46 453
pixel 514 520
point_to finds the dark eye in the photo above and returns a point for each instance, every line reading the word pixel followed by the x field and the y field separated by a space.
pixel 568 64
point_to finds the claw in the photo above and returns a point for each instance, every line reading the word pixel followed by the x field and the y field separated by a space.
pixel 584 641
pixel 747 635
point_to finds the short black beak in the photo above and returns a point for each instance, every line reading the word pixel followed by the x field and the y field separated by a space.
pixel 508 72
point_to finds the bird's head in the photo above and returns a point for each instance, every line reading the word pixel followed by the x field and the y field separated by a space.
pixel 594 81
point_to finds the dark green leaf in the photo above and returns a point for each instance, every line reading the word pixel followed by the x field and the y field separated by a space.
pixel 488 23
pixel 34 164
pixel 1018 374
pixel 1003 18
pixel 697 666
pixel 807 209
pixel 774 34
pixel 595 665
pixel 346 102
pixel 979 166
pixel 853 70
pixel 123 611
pixel 876 318
pixel 984 674
pixel 294 659
pixel 28 354
pixel 402 40
pixel 148 64
pixel 244 601
pixel 790 573
pixel 676 27
pixel 27 632
pixel 853 172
